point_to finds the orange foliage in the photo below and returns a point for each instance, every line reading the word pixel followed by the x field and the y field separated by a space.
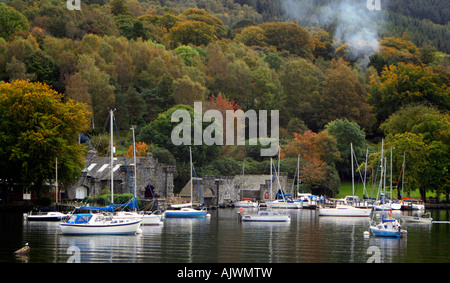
pixel 141 149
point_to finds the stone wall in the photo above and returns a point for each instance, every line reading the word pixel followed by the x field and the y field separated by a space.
pixel 149 173
pixel 228 189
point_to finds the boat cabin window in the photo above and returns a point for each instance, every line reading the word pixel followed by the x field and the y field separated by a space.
pixel 79 218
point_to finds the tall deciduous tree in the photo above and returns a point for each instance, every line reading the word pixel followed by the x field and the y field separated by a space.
pixel 346 132
pixel 300 80
pixel 11 20
pixel 35 129
pixel 344 96
pixel 423 133
pixel 319 154
pixel 405 84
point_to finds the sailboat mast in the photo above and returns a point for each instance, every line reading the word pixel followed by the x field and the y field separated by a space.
pixel 112 156
pixel 135 165
pixel 298 173
pixel 56 183
pixel 380 187
pixel 403 169
pixel 365 172
pixel 391 176
pixel 353 173
pixel 271 175
pixel 190 158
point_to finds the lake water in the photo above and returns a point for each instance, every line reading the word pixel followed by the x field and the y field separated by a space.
pixel 222 238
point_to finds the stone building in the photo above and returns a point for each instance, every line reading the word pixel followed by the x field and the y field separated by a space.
pixel 217 191
pixel 153 178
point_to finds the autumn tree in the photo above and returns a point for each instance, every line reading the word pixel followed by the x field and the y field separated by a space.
pixel 404 84
pixel 289 37
pixel 344 96
pixel 141 149
pixel 203 16
pixel 252 36
pixel 319 154
pixel 186 91
pixel 35 129
pixel 192 32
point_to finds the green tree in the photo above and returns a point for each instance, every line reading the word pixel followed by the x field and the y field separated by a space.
pixel 44 68
pixel 419 119
pixel 301 81
pixel 346 132
pixel 119 7
pixel 11 21
pixel 159 131
pixel 423 133
pixel 187 53
pixel 35 129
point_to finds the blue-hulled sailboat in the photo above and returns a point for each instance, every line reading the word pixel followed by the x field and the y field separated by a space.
pixel 186 212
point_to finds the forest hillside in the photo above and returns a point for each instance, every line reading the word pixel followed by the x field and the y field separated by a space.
pixel 337 71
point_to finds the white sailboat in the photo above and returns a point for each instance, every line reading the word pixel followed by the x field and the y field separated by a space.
pixel 283 202
pixel 346 210
pixel 97 223
pixel 266 215
pixel 245 202
pixel 147 219
pixel 388 227
pixel 187 212
pixel 385 204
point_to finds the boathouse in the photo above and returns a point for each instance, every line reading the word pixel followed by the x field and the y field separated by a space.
pixel 154 179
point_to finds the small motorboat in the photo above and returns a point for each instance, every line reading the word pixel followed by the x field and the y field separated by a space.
pixel 46 216
pixel 388 227
pixel 266 216
pixel 424 218
pixel 98 224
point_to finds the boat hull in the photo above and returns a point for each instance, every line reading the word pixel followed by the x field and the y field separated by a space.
pixel 388 207
pixel 285 205
pixel 126 228
pixel 387 233
pixel 345 212
pixel 266 217
pixel 52 216
pixel 417 219
pixel 246 204
pixel 191 213
pixel 146 219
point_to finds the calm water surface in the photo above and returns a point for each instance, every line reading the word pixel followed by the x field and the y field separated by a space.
pixel 223 239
